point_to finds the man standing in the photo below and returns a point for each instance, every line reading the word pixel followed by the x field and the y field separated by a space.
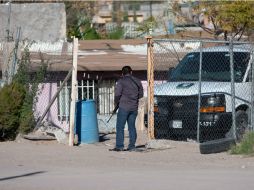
pixel 128 91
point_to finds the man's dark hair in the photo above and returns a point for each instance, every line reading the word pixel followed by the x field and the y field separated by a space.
pixel 126 70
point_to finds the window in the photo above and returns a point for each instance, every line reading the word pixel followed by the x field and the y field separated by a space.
pixel 215 66
pixel 134 6
pixel 106 96
pixel 102 92
pixel 86 90
pixel 63 102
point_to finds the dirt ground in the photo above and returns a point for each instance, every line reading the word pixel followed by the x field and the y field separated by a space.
pixel 48 165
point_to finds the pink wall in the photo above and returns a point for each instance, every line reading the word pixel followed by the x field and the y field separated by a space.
pixel 47 91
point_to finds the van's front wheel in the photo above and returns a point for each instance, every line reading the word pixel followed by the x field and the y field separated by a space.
pixel 241 123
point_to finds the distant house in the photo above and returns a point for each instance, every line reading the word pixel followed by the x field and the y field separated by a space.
pixel 131 10
pixel 129 14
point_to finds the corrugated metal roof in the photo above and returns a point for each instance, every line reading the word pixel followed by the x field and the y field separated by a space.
pixel 94 55
pixel 114 57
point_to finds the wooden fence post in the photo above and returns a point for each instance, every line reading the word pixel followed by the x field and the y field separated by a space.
pixel 150 88
pixel 73 91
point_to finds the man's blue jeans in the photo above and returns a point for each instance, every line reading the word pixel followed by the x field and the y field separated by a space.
pixel 122 117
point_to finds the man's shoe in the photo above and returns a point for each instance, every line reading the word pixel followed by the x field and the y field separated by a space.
pixel 130 149
pixel 116 149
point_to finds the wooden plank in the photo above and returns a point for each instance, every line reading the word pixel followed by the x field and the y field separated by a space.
pixel 150 90
pixel 73 91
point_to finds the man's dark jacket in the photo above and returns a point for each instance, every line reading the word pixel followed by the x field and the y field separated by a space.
pixel 127 92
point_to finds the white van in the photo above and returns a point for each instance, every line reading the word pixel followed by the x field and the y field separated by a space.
pixel 176 101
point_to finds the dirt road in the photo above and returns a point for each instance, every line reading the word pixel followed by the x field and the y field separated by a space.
pixel 36 165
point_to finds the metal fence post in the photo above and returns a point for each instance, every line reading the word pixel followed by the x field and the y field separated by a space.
pixel 252 91
pixel 232 86
pixel 199 88
pixel 150 88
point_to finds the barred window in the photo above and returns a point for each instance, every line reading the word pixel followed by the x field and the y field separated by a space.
pixel 86 90
pixel 64 102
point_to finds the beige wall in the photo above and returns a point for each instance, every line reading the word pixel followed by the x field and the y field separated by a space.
pixel 38 21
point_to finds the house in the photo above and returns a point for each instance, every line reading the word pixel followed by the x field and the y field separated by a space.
pixel 130 11
pixel 99 67
pixel 129 15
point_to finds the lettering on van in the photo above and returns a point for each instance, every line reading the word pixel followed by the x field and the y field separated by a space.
pixel 185 85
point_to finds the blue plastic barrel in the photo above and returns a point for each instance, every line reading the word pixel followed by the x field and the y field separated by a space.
pixel 86 122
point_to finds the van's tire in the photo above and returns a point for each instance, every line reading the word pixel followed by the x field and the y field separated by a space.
pixel 241 123
pixel 216 146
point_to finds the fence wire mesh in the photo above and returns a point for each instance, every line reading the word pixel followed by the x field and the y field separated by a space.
pixel 47 69
pixel 203 90
pixel 54 93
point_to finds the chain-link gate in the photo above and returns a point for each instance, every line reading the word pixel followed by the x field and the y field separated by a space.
pixel 203 90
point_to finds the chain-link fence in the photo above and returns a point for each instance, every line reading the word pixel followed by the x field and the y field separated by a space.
pixel 54 92
pixel 47 68
pixel 203 90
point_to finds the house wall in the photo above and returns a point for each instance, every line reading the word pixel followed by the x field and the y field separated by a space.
pixel 47 91
pixel 104 95
pixel 38 21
